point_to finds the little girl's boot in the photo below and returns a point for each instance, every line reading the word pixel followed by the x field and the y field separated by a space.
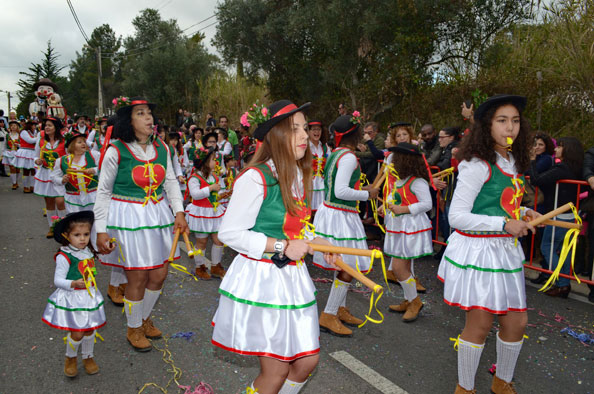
pixel 88 344
pixel 70 367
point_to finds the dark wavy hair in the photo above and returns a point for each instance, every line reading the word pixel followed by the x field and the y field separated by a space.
pixel 549 146
pixel 479 143
pixel 410 165
pixel 57 126
pixel 573 154
pixel 123 127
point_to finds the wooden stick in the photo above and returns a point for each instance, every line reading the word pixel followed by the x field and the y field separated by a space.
pixel 379 180
pixel 559 223
pixel 75 170
pixel 188 245
pixel 442 173
pixel 174 245
pixel 341 250
pixel 552 214
pixel 360 277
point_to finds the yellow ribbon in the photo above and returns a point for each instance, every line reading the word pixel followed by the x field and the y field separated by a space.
pixel 168 359
pixel 151 190
pixel 90 280
pixel 569 244
pixel 457 343
pixel 319 170
pixel 68 339
pixel 183 269
pixel 129 303
pixel 113 240
pixel 97 335
pixel 250 390
pixel 377 289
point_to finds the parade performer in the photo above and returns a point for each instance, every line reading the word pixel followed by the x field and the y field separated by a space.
pixel 318 138
pixel 408 229
pixel 77 304
pixel 338 220
pixel 205 213
pixel 25 155
pixel 96 138
pixel 129 207
pixel 267 283
pixel 77 171
pixel 482 266
pixel 194 143
pixel 48 151
pixel 179 159
pixel 9 155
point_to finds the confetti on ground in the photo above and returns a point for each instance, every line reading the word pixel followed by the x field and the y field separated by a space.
pixel 185 335
pixel 585 339
pixel 202 388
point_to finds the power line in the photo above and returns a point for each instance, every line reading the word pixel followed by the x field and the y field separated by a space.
pixel 82 31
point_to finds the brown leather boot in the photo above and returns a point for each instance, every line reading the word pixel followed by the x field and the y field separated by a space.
pixel 345 316
pixel 15 186
pixel 412 311
pixel 500 386
pixel 115 296
pixel 70 368
pixel 420 287
pixel 91 366
pixel 462 390
pixel 202 273
pixel 217 271
pixel 150 331
pixel 50 234
pixel 401 308
pixel 138 340
pixel 332 325
pixel 391 277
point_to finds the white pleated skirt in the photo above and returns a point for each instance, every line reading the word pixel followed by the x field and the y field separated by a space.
pixel 75 310
pixel 408 236
pixel 203 221
pixel 44 187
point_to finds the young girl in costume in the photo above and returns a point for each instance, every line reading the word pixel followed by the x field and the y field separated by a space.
pixel 48 152
pixel 338 221
pixel 194 143
pixel 77 304
pixel 408 229
pixel 205 213
pixel 318 137
pixel 9 154
pixel 135 172
pixel 98 139
pixel 482 266
pixel 179 159
pixel 25 155
pixel 267 281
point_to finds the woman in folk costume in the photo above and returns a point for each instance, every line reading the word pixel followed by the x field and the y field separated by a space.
pixel 135 172
pixel 9 154
pixel 25 155
pixel 267 306
pixel 338 220
pixel 98 138
pixel 318 138
pixel 194 143
pixel 205 212
pixel 407 200
pixel 48 151
pixel 482 266
pixel 77 172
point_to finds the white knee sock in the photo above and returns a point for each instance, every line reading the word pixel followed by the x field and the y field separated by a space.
pixel 88 343
pixel 199 258
pixel 117 276
pixel 25 181
pixel 13 178
pixel 337 295
pixel 61 213
pixel 216 254
pixel 290 387
pixel 71 346
pixel 409 287
pixel 507 356
pixel 150 299
pixel 469 356
pixel 133 311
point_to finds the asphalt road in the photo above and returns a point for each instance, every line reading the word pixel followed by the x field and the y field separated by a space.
pixel 418 357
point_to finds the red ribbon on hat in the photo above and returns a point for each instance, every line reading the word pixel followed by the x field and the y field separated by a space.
pixel 285 110
pixel 338 136
pixel 138 102
pixel 315 123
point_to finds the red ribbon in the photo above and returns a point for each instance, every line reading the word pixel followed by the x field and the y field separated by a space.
pixel 315 123
pixel 429 172
pixel 138 102
pixel 338 136
pixel 105 143
pixel 284 110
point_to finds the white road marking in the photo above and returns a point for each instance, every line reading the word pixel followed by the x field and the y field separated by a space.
pixel 366 373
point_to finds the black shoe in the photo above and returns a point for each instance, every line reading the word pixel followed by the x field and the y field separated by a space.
pixel 540 279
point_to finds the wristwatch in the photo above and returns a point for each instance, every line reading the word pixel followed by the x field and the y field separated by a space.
pixel 279 247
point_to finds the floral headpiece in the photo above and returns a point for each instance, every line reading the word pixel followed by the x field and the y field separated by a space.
pixel 356 118
pixel 257 114
pixel 201 155
pixel 120 102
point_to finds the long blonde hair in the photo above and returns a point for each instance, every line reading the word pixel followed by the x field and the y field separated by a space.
pixel 277 145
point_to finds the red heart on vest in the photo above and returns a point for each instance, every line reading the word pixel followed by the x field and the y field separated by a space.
pixel 140 176
pixel 507 201
pixel 83 265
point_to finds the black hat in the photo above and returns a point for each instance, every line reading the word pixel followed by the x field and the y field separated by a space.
pixel 202 155
pixel 405 147
pixel 343 126
pixel 61 226
pixel 128 103
pixel 57 123
pixel 315 123
pixel 278 111
pixel 206 136
pixel 78 116
pixel 174 134
pixel 517 101
pixel 15 122
pixel 399 124
pixel 101 119
pixel 45 81
pixel 69 137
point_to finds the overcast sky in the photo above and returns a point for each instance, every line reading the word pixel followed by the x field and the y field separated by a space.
pixel 28 24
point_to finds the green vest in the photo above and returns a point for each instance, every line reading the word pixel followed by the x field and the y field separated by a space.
pixel 98 140
pixel 192 152
pixel 90 180
pixel 140 181
pixel 77 266
pixel 273 219
pixel 500 196
pixel 330 172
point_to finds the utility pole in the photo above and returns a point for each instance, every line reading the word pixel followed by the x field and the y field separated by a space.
pixel 9 96
pixel 99 84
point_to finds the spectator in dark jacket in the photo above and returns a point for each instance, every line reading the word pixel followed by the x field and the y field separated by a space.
pixel 570 152
pixel 541 153
pixel 430 144
pixel 589 177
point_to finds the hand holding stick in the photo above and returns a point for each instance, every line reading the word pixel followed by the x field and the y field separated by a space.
pixel 174 245
pixel 550 215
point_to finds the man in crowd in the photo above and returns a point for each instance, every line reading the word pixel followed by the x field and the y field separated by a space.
pixel 430 144
pixel 342 109
pixel 231 135
pixel 366 158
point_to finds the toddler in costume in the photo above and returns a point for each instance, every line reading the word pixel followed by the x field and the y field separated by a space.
pixel 77 304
